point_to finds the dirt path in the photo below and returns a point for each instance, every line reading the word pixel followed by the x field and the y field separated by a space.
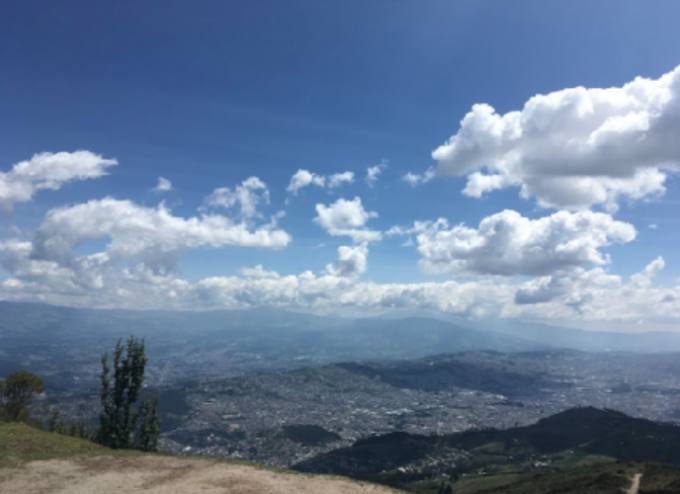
pixel 168 475
pixel 634 484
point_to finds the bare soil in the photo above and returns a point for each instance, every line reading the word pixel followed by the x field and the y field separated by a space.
pixel 150 474
pixel 634 484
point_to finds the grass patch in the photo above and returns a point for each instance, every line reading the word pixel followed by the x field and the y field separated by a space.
pixel 575 461
pixel 611 478
pixel 20 443
pixel 473 484
pixel 659 479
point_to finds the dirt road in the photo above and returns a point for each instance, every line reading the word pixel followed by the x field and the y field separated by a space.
pixel 167 475
pixel 635 484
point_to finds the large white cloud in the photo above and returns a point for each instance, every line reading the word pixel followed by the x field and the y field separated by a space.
pixel 573 148
pixel 573 288
pixel 49 171
pixel 597 295
pixel 508 243
pixel 135 251
pixel 134 230
pixel 348 218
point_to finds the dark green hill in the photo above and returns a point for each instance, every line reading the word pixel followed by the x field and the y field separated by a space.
pixel 579 437
pixel 603 432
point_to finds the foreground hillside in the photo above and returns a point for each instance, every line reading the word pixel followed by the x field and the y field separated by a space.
pixel 37 462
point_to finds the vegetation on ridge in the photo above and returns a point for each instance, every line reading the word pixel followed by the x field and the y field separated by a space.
pixel 576 443
pixel 20 442
pixel 16 393
pixel 124 422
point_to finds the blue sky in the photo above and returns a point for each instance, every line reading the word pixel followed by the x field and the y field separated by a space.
pixel 208 95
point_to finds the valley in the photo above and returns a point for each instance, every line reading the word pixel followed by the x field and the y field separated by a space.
pixel 249 387
pixel 247 416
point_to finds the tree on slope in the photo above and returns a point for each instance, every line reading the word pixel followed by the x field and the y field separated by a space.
pixel 445 488
pixel 149 429
pixel 16 393
pixel 121 410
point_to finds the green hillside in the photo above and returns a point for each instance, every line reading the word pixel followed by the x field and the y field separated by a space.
pixel 611 478
pixel 21 443
pixel 578 448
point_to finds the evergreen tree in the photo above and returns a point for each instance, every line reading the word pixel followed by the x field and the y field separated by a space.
pixel 120 411
pixel 83 432
pixel 55 422
pixel 147 438
pixel 445 488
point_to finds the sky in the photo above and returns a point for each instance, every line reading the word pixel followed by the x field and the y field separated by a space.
pixel 479 159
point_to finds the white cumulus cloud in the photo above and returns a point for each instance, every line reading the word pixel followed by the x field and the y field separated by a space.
pixel 347 218
pixel 508 243
pixel 134 230
pixel 352 261
pixel 49 171
pixel 573 148
pixel 303 178
pixel 646 276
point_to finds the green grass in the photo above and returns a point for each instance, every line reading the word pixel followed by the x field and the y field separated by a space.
pixel 20 443
pixel 492 448
pixel 660 479
pixel 575 461
pixel 609 478
pixel 472 484
pixel 570 475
